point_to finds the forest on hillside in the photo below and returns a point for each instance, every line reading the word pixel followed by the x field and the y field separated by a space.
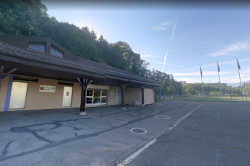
pixel 30 18
pixel 196 89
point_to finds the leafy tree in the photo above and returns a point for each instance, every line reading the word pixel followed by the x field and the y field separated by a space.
pixel 30 18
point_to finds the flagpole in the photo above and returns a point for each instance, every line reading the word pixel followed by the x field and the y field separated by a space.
pixel 219 80
pixel 202 83
pixel 240 78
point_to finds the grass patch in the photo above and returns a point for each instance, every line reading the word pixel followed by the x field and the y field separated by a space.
pixel 171 125
pixel 233 147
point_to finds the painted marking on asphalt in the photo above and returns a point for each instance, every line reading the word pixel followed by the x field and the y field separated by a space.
pixel 162 117
pixel 230 107
pixel 132 154
pixel 217 157
pixel 137 152
pixel 138 130
pixel 218 112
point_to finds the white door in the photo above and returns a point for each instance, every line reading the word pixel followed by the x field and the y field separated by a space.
pixel 118 96
pixel 67 94
pixel 18 95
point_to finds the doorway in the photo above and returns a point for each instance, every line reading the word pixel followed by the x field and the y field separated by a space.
pixel 67 95
pixel 18 95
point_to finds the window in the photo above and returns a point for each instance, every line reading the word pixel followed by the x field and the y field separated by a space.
pixel 37 46
pixel 56 51
pixel 95 97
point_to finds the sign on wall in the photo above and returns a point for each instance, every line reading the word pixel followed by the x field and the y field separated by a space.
pixel 47 88
pixel 111 95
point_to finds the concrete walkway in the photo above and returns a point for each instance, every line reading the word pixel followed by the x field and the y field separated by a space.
pixel 62 137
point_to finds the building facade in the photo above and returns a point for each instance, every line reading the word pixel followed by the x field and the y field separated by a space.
pixel 38 73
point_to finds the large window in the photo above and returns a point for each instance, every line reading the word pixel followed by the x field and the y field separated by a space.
pixel 56 51
pixel 37 46
pixel 96 97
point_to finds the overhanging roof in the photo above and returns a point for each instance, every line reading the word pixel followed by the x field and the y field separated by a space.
pixel 35 63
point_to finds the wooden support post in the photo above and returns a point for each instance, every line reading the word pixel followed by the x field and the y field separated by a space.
pixel 2 76
pixel 142 93
pixel 123 87
pixel 155 96
pixel 84 84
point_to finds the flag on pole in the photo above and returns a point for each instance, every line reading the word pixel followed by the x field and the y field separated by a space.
pixel 218 67
pixel 238 64
pixel 200 71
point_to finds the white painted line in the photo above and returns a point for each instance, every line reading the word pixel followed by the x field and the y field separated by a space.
pixel 137 152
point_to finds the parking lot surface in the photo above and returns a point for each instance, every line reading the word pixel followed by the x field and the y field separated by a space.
pixel 62 137
pixel 215 134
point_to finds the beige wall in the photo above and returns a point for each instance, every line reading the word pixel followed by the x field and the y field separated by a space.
pixel 3 91
pixel 49 100
pixel 76 98
pixel 111 101
pixel 149 96
pixel 132 94
pixel 43 100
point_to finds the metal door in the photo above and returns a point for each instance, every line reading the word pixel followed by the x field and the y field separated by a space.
pixel 67 95
pixel 18 95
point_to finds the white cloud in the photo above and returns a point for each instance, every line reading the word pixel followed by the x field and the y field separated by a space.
pixel 212 76
pixel 204 73
pixel 154 60
pixel 173 32
pixel 152 55
pixel 159 28
pixel 165 58
pixel 220 63
pixel 163 26
pixel 227 50
pixel 166 23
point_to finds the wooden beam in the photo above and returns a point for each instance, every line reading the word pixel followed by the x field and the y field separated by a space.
pixel 2 76
pixel 142 93
pixel 8 73
pixel 123 87
pixel 155 95
pixel 84 84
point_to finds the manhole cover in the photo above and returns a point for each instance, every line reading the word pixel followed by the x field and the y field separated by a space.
pixel 162 117
pixel 138 131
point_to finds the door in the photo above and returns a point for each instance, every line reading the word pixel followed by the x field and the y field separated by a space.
pixel 67 95
pixel 118 96
pixel 18 95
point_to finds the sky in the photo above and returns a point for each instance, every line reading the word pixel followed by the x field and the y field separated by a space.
pixel 173 38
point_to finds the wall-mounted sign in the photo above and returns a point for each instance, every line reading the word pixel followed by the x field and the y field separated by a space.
pixel 111 95
pixel 47 88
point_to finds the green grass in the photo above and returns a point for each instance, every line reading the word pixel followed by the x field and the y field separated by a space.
pixel 211 98
pixel 233 147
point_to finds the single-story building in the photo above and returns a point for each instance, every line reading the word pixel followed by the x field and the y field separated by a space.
pixel 38 73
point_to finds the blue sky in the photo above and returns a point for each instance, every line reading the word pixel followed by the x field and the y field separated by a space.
pixel 173 39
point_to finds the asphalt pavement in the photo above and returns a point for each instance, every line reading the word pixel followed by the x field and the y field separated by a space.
pixel 218 133
pixel 61 137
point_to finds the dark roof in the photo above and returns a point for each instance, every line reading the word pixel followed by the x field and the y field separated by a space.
pixel 80 64
pixel 35 39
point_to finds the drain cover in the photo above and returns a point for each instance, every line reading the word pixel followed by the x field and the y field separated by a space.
pixel 138 131
pixel 162 117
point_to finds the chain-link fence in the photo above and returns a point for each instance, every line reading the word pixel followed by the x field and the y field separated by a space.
pixel 224 95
